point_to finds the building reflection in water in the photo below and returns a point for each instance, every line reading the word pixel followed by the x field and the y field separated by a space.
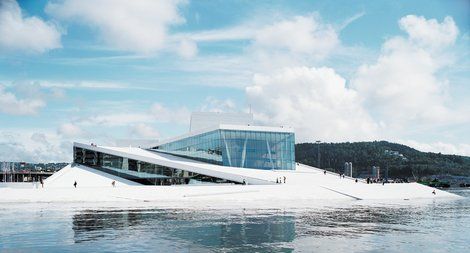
pixel 260 229
pixel 196 227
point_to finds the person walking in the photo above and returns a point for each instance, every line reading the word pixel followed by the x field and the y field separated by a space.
pixel 113 183
pixel 324 172
pixel 284 179
pixel 75 184
pixel 42 182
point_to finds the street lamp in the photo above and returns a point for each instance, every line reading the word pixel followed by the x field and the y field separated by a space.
pixel 318 155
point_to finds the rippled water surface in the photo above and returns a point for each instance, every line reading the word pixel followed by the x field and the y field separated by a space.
pixel 429 226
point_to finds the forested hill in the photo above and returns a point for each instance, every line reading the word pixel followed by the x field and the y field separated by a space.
pixel 401 160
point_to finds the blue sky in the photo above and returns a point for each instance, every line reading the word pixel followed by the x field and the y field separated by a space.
pixel 101 71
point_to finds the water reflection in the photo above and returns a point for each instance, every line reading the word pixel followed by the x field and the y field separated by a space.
pixel 204 227
pixel 354 222
pixel 395 227
pixel 94 225
pixel 264 230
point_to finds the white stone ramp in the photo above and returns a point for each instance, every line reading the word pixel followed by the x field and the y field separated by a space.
pixel 85 177
pixel 361 190
pixel 235 174
pixel 304 182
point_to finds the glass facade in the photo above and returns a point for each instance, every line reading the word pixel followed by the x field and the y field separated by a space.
pixel 138 171
pixel 237 148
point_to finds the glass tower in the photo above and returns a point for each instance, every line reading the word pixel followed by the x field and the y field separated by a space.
pixel 267 150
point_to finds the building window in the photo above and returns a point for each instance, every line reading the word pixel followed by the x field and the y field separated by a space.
pixel 248 149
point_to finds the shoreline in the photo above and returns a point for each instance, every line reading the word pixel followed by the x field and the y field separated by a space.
pixel 220 194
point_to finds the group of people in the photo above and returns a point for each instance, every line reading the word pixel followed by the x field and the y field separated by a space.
pixel 341 176
pixel 281 180
pixel 376 180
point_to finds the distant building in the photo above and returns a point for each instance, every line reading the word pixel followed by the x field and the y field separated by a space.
pixel 7 166
pixel 391 152
pixel 375 172
pixel 348 169
pixel 395 153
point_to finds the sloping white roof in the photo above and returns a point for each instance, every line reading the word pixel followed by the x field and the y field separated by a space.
pixel 85 177
pixel 304 180
pixel 303 185
pixel 251 176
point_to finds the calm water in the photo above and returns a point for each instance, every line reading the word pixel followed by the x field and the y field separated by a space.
pixel 432 226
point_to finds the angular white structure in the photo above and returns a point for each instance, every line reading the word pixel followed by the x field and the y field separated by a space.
pixel 243 162
pixel 223 153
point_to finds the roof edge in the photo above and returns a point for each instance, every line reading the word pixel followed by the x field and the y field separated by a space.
pixel 280 129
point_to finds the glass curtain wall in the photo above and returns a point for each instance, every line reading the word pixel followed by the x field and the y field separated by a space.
pixel 235 148
pixel 204 147
pixel 139 171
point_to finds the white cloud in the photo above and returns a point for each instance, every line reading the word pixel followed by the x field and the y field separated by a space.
pixel 33 90
pixel 34 147
pixel 114 119
pixel 351 19
pixel 315 101
pixel 439 147
pixel 86 85
pixel 429 32
pixel 402 92
pixel 302 34
pixel 142 130
pixel 10 104
pixel 127 116
pixel 402 88
pixel 39 137
pixel 240 32
pixel 25 34
pixel 213 104
pixel 138 26
pixel 57 88
pixel 70 130
pixel 299 35
pixel 187 49
pixel 269 45
pixel 174 115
